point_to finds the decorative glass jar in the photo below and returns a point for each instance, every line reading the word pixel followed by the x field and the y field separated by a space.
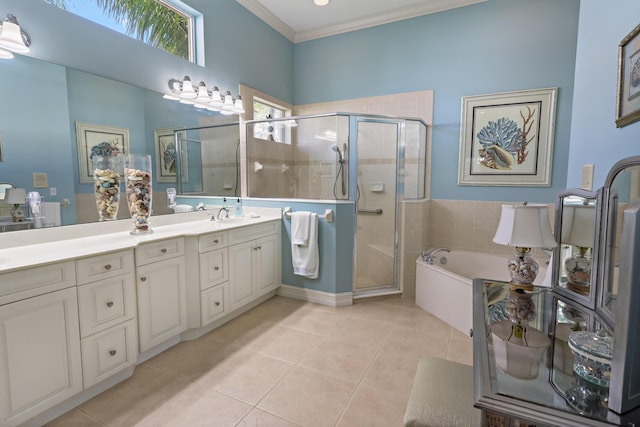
pixel 137 174
pixel 106 178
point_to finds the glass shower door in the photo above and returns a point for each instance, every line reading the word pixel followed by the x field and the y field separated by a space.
pixel 377 199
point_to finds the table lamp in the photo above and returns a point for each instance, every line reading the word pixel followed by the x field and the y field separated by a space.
pixel 578 230
pixel 16 197
pixel 524 226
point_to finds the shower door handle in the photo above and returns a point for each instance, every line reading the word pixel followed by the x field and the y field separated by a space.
pixel 370 211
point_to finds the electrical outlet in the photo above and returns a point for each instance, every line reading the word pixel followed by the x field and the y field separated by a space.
pixel 587 177
pixel 53 191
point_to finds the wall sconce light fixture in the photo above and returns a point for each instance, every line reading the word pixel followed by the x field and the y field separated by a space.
pixel 13 39
pixel 184 92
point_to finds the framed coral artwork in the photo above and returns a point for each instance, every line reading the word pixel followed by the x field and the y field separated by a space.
pixel 167 156
pixel 99 140
pixel 506 139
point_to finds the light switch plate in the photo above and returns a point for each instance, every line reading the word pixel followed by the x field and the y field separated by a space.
pixel 587 177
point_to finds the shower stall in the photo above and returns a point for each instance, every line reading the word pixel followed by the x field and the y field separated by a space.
pixel 376 163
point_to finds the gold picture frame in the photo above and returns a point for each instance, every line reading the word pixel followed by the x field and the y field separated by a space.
pixel 628 99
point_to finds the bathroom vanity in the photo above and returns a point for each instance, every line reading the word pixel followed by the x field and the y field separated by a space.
pixel 78 313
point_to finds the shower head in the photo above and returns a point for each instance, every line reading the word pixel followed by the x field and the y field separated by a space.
pixel 337 150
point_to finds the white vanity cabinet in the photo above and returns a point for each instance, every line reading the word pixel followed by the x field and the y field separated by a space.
pixel 107 310
pixel 213 260
pixel 40 362
pixel 254 262
pixel 161 291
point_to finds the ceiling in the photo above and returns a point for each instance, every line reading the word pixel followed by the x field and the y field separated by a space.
pixel 301 20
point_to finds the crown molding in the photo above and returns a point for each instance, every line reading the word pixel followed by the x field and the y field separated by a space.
pixel 398 14
pixel 269 18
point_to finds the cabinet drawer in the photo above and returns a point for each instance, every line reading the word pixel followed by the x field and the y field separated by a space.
pixel 157 251
pixel 105 303
pixel 212 303
pixel 108 352
pixel 104 266
pixel 212 241
pixel 21 284
pixel 244 234
pixel 214 268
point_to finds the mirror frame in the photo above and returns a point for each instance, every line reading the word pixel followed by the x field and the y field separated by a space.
pixel 610 201
pixel 590 299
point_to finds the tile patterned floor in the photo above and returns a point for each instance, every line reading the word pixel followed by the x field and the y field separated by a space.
pixel 284 363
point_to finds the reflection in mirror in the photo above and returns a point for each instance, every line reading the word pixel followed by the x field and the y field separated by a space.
pixel 210 160
pixel 39 137
pixel 576 230
pixel 622 187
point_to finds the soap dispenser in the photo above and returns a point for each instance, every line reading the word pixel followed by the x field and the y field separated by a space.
pixel 238 210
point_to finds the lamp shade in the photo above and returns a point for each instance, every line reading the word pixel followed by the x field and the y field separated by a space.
pixel 15 196
pixel 578 225
pixel 11 37
pixel 525 226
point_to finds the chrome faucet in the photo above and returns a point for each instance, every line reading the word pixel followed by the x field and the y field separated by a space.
pixel 220 215
pixel 428 257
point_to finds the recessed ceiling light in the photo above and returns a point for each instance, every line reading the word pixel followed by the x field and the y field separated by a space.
pixel 321 2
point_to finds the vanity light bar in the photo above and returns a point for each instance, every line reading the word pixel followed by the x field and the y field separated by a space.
pixel 200 97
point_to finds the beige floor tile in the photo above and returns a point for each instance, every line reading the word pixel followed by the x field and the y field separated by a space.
pixel 374 408
pixel 423 321
pixel 259 418
pixel 242 330
pixel 341 359
pixel 197 406
pixel 74 418
pixel 276 309
pixel 369 333
pixel 415 343
pixel 193 359
pixel 392 372
pixel 285 343
pixel 309 398
pixel 134 399
pixel 313 320
pixel 245 375
pixel 460 348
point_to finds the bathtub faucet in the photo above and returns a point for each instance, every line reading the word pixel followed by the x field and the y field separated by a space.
pixel 428 257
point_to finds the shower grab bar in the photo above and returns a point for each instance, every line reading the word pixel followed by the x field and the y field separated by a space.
pixel 370 211
pixel 328 214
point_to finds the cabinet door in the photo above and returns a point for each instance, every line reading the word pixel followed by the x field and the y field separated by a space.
pixel 267 264
pixel 241 272
pixel 212 302
pixel 40 364
pixel 162 301
pixel 213 268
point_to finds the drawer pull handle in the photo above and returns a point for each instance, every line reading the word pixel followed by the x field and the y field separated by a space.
pixel 259 247
pixel 217 302
pixel 163 250
pixel 143 279
pixel 112 352
pixel 216 268
pixel 110 304
pixel 107 267
pixel 256 248
pixel 216 241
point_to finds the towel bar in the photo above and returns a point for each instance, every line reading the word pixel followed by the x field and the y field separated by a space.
pixel 328 214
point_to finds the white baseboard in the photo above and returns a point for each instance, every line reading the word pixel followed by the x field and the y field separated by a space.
pixel 318 297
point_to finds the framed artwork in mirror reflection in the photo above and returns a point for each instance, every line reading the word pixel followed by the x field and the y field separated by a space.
pixel 167 156
pixel 506 139
pixel 628 99
pixel 100 140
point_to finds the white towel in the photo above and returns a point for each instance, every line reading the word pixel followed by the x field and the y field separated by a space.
pixel 300 227
pixel 306 258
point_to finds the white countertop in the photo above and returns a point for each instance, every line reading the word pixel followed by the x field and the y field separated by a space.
pixel 29 248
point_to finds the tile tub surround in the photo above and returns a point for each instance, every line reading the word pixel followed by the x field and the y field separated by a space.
pixel 284 363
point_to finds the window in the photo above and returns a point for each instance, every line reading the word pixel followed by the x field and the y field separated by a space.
pixel 271 131
pixel 166 24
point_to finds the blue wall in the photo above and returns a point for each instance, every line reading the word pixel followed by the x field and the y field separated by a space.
pixel 495 46
pixel 594 136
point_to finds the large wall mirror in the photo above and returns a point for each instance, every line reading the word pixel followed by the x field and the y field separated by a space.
pixel 42 102
pixel 576 256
